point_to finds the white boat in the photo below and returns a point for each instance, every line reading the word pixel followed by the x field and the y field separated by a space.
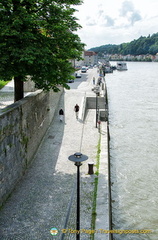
pixel 121 66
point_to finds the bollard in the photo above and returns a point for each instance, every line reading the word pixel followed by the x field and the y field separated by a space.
pixel 90 168
pixel 99 122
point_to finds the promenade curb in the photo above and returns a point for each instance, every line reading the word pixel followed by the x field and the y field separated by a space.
pixel 102 218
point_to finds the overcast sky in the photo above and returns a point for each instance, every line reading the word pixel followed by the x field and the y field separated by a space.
pixel 116 21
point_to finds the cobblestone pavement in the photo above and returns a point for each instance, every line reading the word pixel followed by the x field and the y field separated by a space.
pixel 6 99
pixel 40 201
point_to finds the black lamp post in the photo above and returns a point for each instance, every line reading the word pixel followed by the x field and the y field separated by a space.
pixel 77 158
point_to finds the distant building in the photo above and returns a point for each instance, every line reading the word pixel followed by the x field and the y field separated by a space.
pixel 156 57
pixel 90 58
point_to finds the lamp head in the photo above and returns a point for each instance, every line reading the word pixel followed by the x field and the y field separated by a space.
pixel 77 157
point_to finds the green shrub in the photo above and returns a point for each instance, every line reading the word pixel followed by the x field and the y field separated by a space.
pixel 3 83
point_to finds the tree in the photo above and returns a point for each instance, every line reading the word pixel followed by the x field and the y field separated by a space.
pixel 37 39
pixel 142 45
pixel 154 48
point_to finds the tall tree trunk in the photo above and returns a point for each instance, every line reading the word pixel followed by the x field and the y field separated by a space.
pixel 18 88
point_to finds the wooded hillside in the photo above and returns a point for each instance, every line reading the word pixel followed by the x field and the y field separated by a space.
pixel 143 45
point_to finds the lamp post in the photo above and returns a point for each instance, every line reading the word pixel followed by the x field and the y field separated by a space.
pixel 77 158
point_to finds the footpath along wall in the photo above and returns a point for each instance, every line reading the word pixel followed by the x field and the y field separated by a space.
pixel 22 127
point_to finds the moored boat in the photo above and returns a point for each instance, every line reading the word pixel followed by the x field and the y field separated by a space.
pixel 121 66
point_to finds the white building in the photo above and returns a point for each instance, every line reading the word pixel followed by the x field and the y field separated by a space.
pixel 90 58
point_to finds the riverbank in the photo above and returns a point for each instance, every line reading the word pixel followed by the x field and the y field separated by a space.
pixel 40 201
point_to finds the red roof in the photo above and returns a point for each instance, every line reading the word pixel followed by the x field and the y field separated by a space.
pixel 89 53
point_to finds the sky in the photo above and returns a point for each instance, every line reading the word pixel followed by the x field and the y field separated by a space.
pixel 116 21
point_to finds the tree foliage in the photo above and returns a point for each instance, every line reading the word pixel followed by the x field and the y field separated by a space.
pixel 37 39
pixel 143 45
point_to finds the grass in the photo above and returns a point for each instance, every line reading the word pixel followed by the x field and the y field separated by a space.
pixel 94 214
pixel 3 83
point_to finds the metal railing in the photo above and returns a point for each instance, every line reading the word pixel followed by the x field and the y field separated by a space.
pixel 109 168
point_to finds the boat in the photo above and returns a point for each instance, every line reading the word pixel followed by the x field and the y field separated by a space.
pixel 121 66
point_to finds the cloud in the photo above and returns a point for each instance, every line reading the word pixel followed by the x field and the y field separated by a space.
pixel 135 17
pixel 107 21
pixel 104 19
pixel 100 13
pixel 129 12
pixel 101 19
pixel 90 21
pixel 127 6
pixel 127 16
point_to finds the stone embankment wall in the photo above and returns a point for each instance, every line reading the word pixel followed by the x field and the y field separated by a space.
pixel 22 127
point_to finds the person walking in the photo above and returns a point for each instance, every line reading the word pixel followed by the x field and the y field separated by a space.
pixel 76 109
pixel 93 80
pixel 61 115
pixel 99 81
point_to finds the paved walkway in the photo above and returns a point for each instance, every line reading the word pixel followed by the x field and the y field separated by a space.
pixel 40 201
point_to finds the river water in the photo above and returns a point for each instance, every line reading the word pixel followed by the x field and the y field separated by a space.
pixel 133 117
